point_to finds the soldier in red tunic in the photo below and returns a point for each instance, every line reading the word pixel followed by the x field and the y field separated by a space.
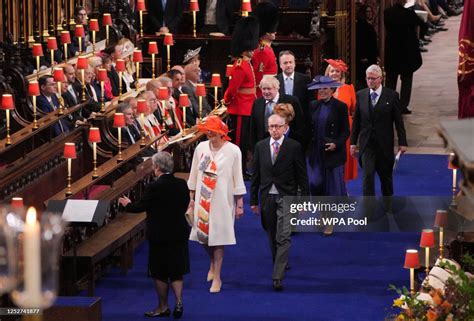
pixel 240 93
pixel 264 61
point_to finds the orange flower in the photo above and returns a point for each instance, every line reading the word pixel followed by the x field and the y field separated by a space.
pixel 437 299
pixel 409 312
pixel 431 315
pixel 446 305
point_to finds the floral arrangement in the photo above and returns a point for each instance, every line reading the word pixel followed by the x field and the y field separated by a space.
pixel 453 303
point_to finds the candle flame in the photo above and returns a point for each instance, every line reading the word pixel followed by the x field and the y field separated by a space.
pixel 31 216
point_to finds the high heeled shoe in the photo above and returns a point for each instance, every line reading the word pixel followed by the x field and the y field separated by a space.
pixel 215 288
pixel 178 310
pixel 210 276
pixel 159 314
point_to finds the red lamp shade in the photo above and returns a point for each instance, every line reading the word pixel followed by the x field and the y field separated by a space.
pixel 52 43
pixel 450 162
pixel 216 80
pixel 58 74
pixel 168 41
pixel 246 6
pixel 137 56
pixel 17 202
pixel 163 93
pixel 412 261
pixel 441 218
pixel 427 238
pixel 141 5
pixel 69 150
pixel 65 37
pixel 102 74
pixel 141 106
pixel 228 70
pixel 152 47
pixel 37 50
pixel 94 25
pixel 81 62
pixel 79 31
pixel 193 5
pixel 94 135
pixel 107 19
pixel 33 88
pixel 183 100
pixel 200 90
pixel 120 65
pixel 119 120
pixel 7 102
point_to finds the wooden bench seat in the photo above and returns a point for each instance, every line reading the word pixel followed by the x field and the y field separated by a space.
pixel 116 237
pixel 74 308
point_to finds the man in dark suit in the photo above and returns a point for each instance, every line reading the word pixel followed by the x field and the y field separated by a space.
pixel 49 102
pixel 377 110
pixel 192 73
pixel 294 83
pixel 217 16
pixel 177 77
pixel 402 50
pixel 164 20
pixel 280 169
pixel 263 108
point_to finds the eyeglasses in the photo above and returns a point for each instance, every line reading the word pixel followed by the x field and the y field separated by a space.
pixel 372 78
pixel 276 126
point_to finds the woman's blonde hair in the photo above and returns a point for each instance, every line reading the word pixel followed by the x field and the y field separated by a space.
pixel 284 110
pixel 343 74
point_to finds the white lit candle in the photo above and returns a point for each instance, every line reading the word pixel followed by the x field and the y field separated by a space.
pixel 32 258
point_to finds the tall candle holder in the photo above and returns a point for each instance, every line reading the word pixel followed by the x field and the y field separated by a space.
pixel 152 50
pixel 58 75
pixel 412 262
pixel 163 97
pixel 200 93
pixel 94 27
pixel 246 8
pixel 140 8
pixel 216 83
pixel 7 105
pixel 94 138
pixel 101 78
pixel 427 241
pixel 194 7
pixel 37 53
pixel 70 154
pixel 65 40
pixel 10 226
pixel 38 256
pixel 79 34
pixel 454 168
pixel 82 66
pixel 141 109
pixel 441 222
pixel 33 92
pixel 52 46
pixel 184 103
pixel 106 21
pixel 119 122
pixel 168 42
pixel 137 59
pixel 120 68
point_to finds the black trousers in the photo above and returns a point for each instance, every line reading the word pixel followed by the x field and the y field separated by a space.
pixel 405 91
pixel 373 162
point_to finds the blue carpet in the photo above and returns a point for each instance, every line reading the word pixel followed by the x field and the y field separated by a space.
pixel 342 277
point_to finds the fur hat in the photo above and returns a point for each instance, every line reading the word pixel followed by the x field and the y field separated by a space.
pixel 267 14
pixel 245 36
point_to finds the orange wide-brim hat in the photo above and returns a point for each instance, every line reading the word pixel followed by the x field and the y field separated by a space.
pixel 215 125
pixel 338 64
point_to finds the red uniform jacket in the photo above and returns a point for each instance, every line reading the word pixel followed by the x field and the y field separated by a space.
pixel 240 94
pixel 264 63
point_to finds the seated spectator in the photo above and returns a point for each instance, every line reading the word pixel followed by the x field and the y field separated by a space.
pixel 192 73
pixel 217 16
pixel 72 96
pixel 178 89
pixel 80 18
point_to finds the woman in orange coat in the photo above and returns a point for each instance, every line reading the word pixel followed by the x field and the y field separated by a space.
pixel 337 71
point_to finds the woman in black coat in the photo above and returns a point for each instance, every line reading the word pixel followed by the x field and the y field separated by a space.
pixel 165 201
pixel 327 150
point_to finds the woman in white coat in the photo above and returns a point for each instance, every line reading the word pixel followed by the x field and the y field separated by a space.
pixel 216 189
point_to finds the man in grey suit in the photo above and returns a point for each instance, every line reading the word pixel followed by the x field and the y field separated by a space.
pixel 280 169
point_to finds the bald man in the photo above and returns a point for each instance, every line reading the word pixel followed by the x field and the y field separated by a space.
pixel 193 73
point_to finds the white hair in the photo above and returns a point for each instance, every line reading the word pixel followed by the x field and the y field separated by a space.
pixel 375 69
